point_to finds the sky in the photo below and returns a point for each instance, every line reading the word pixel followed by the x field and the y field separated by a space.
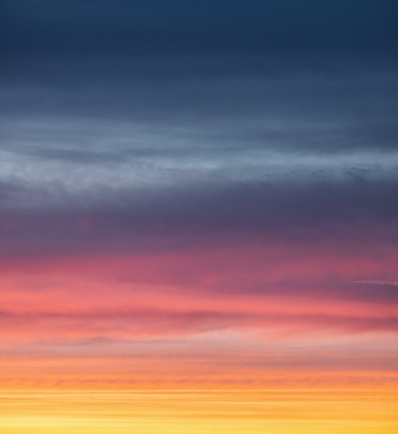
pixel 199 196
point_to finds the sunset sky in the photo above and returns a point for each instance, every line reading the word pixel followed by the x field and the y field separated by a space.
pixel 199 216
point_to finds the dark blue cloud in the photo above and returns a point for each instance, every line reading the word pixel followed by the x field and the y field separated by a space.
pixel 224 138
pixel 78 26
pixel 311 210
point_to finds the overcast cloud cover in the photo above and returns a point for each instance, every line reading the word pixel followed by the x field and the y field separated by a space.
pixel 208 166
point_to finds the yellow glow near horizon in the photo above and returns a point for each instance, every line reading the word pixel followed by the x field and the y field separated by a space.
pixel 199 411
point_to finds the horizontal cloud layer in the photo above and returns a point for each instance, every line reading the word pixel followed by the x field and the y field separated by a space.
pixel 198 217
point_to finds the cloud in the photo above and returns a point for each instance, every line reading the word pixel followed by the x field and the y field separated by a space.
pixel 211 26
pixel 154 324
pixel 304 209
pixel 198 193
pixel 163 297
